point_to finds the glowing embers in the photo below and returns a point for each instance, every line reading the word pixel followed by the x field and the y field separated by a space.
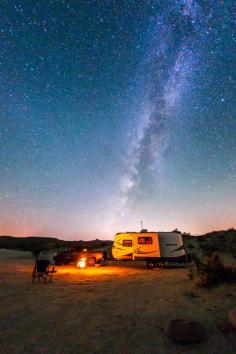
pixel 81 263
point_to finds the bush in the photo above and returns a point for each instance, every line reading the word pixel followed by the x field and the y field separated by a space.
pixel 207 247
pixel 190 246
pixel 210 271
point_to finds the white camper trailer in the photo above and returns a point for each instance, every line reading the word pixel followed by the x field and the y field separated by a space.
pixel 155 248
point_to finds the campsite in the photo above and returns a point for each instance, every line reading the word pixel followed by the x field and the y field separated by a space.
pixel 122 307
pixel 117 177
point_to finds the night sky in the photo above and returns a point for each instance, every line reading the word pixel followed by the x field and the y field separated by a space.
pixel 117 111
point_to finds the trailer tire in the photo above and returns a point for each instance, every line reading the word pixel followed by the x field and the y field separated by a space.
pixel 151 264
pixel 91 261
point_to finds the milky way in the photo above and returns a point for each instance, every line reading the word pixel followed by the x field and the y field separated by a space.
pixel 167 70
pixel 115 112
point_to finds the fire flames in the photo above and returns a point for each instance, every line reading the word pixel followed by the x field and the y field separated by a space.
pixel 81 263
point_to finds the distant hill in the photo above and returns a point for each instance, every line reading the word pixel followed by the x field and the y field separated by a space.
pixel 35 243
pixel 222 241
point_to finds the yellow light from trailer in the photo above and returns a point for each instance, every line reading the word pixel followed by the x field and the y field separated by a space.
pixel 81 263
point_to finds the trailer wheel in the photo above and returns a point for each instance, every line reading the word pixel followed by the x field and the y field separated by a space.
pixel 151 264
pixel 91 261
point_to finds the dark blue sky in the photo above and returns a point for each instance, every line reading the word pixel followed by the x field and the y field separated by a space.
pixel 114 112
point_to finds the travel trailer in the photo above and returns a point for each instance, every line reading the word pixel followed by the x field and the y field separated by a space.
pixel 155 248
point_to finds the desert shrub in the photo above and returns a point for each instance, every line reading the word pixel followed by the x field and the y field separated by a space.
pixel 207 247
pixel 209 271
pixel 190 245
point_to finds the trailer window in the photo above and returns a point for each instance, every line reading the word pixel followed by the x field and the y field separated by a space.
pixel 145 240
pixel 127 243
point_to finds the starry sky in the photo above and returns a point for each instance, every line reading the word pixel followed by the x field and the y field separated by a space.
pixel 113 112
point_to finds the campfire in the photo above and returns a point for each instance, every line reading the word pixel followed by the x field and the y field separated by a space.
pixel 81 263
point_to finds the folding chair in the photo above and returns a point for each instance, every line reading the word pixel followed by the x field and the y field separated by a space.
pixel 42 269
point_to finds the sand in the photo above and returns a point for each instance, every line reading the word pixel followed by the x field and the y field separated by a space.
pixel 122 308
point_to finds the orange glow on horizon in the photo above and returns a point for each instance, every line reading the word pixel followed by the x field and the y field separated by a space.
pixel 25 228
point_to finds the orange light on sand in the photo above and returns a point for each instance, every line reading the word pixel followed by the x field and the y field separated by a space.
pixel 81 263
pixel 73 273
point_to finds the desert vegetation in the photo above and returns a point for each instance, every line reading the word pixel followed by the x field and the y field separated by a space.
pixel 213 258
pixel 211 271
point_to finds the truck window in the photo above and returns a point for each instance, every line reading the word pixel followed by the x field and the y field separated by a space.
pixel 127 243
pixel 145 240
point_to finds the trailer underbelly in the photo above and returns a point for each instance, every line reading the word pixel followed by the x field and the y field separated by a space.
pixel 160 259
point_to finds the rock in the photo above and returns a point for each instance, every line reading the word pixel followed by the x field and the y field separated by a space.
pixel 232 318
pixel 183 331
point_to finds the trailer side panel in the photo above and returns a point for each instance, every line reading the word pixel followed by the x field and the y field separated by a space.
pixel 171 245
pixel 146 246
pixel 123 246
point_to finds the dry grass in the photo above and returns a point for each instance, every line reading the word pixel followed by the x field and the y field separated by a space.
pixel 112 309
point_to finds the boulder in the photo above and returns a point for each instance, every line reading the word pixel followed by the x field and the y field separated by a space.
pixel 184 331
pixel 232 318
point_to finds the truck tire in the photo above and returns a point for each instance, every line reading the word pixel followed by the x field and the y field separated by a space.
pixel 151 264
pixel 91 261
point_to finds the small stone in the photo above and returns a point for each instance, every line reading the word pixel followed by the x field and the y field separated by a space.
pixel 183 331
pixel 232 318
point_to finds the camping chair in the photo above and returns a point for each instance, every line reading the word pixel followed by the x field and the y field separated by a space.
pixel 42 269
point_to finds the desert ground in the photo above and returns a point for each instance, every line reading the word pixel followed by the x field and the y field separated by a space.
pixel 119 308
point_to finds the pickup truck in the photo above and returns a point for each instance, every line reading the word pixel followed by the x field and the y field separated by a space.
pixel 71 255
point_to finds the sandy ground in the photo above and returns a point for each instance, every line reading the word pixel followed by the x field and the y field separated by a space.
pixel 109 309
